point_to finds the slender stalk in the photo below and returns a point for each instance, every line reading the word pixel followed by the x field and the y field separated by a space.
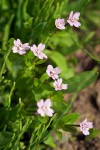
pixel 34 139
pixel 91 55
pixel 10 95
pixel 76 125
pixel 3 66
pixel 28 122
pixel 31 140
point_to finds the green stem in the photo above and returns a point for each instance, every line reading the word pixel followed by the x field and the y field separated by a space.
pixel 28 122
pixel 76 125
pixel 92 56
pixel 10 95
pixel 3 66
pixel 33 140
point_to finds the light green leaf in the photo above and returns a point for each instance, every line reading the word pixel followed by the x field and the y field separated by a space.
pixel 94 133
pixel 50 141
pixel 59 134
pixel 44 77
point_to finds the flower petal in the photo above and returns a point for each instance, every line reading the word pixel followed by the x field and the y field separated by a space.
pixel 41 46
pixel 71 14
pixel 85 132
pixel 57 70
pixel 50 112
pixel 48 103
pixel 40 103
pixel 76 15
pixel 77 24
pixel 64 86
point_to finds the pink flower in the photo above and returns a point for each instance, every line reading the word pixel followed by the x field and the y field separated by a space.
pixel 52 72
pixel 58 85
pixel 44 108
pixel 85 126
pixel 73 19
pixel 37 50
pixel 19 47
pixel 60 23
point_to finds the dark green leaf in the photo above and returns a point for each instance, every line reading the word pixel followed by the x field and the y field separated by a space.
pixel 5 138
pixel 70 118
pixel 59 104
pixel 68 128
pixel 81 81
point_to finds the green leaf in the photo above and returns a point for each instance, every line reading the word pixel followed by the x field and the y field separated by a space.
pixel 29 58
pixel 59 104
pixel 68 128
pixel 88 37
pixel 11 68
pixel 7 32
pixel 42 91
pixel 94 133
pixel 81 81
pixel 5 138
pixel 59 134
pixel 43 119
pixel 41 61
pixel 79 5
pixel 70 118
pixel 44 77
pixel 50 141
pixel 36 82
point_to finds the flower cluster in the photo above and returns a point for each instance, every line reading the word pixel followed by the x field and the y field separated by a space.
pixel 72 20
pixel 44 106
pixel 53 73
pixel 21 49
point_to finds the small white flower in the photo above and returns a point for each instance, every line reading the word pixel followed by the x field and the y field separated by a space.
pixel 73 19
pixel 59 86
pixel 52 72
pixel 60 23
pixel 19 47
pixel 85 126
pixel 37 50
pixel 44 108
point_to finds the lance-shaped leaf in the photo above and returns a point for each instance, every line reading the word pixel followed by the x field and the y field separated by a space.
pixel 81 81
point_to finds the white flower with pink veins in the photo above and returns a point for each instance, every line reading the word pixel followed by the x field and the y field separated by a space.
pixel 44 108
pixel 53 72
pixel 85 126
pixel 19 47
pixel 38 51
pixel 73 19
pixel 59 86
